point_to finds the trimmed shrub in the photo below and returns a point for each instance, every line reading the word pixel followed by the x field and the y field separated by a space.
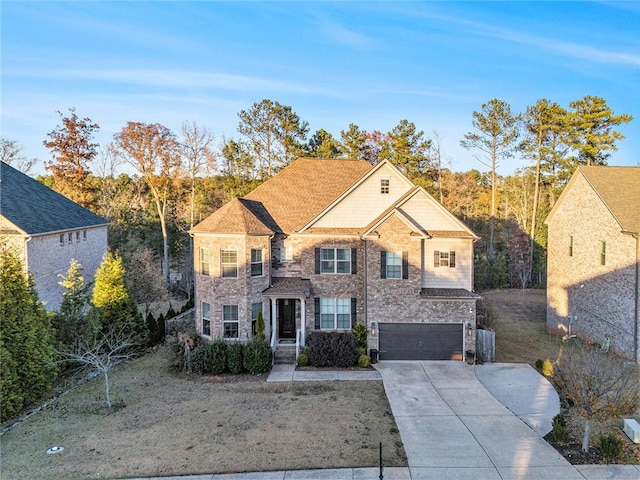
pixel 234 357
pixel 364 361
pixel 258 357
pixel 215 360
pixel 197 359
pixel 611 446
pixel 332 349
pixel 303 359
pixel 547 368
pixel 559 429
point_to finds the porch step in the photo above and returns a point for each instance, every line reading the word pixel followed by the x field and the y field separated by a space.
pixel 285 354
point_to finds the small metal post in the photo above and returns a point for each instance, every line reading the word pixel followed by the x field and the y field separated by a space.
pixel 381 477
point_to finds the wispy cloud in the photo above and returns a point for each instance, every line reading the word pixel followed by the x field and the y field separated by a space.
pixel 339 34
pixel 569 49
pixel 169 79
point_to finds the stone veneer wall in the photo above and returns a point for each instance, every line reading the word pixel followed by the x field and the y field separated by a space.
pixel 602 297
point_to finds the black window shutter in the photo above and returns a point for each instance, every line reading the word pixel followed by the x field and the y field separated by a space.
pixel 354 312
pixel 452 259
pixel 354 261
pixel 405 265
pixel 383 264
pixel 436 258
pixel 316 308
pixel 317 260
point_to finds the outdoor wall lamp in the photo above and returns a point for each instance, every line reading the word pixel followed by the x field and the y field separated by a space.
pixel 469 329
pixel 373 329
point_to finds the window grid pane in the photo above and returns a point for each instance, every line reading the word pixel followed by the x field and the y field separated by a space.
pixel 206 321
pixel 229 263
pixel 335 260
pixel 204 261
pixel 394 265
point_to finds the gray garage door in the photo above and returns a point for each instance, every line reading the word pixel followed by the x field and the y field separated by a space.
pixel 421 341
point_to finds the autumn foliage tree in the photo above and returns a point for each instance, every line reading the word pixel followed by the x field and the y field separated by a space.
pixel 73 150
pixel 152 149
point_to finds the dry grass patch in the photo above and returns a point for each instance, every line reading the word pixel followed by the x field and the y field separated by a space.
pixel 170 424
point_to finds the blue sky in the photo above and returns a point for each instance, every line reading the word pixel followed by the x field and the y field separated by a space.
pixel 334 63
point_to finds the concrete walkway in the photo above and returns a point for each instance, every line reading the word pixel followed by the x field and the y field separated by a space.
pixel 456 422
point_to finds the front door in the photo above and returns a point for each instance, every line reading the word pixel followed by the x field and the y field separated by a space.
pixel 287 318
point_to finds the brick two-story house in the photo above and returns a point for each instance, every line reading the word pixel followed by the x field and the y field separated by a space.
pixel 326 244
pixel 48 231
pixel 593 285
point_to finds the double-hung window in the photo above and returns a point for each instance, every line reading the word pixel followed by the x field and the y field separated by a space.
pixel 394 265
pixel 206 319
pixel 256 262
pixel 286 253
pixel 204 261
pixel 229 263
pixel 230 321
pixel 444 259
pixel 335 260
pixel 335 313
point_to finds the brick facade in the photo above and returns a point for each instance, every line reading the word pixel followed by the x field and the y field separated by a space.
pixel 601 299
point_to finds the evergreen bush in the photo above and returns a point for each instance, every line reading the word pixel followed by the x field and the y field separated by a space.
pixel 215 359
pixel 559 429
pixel 234 357
pixel 258 357
pixel 303 359
pixel 611 446
pixel 364 361
pixel 260 327
pixel 360 334
pixel 332 349
pixel 198 359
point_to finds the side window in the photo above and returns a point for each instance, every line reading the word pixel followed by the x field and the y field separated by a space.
pixel 603 253
pixel 256 262
pixel 384 186
pixel 62 239
pixel 256 308
pixel 206 319
pixel 204 261
pixel 571 245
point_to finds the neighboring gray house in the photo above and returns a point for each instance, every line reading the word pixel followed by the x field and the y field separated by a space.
pixel 594 258
pixel 48 230
pixel 326 244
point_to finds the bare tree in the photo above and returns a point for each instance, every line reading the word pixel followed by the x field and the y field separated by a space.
pixel 199 156
pixel 101 352
pixel 601 386
pixel 144 280
pixel 11 153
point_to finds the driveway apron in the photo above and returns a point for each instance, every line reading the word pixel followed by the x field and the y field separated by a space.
pixel 453 428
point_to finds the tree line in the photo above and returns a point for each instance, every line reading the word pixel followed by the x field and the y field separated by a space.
pixel 181 178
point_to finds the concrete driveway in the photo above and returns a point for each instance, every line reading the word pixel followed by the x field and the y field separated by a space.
pixel 453 428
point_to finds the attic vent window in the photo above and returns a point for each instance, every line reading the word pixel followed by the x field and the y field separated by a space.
pixel 384 186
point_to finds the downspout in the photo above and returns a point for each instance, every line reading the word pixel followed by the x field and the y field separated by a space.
pixel 637 299
pixel 26 253
pixel 364 283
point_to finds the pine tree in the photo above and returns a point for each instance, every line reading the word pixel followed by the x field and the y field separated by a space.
pixel 114 307
pixel 26 350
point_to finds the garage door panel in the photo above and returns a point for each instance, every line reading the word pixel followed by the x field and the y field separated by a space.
pixel 421 341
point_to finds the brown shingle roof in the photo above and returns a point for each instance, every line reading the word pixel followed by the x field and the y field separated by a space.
pixel 619 188
pixel 306 187
pixel 237 216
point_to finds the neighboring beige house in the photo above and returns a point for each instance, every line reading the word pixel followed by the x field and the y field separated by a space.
pixel 326 244
pixel 48 231
pixel 594 258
